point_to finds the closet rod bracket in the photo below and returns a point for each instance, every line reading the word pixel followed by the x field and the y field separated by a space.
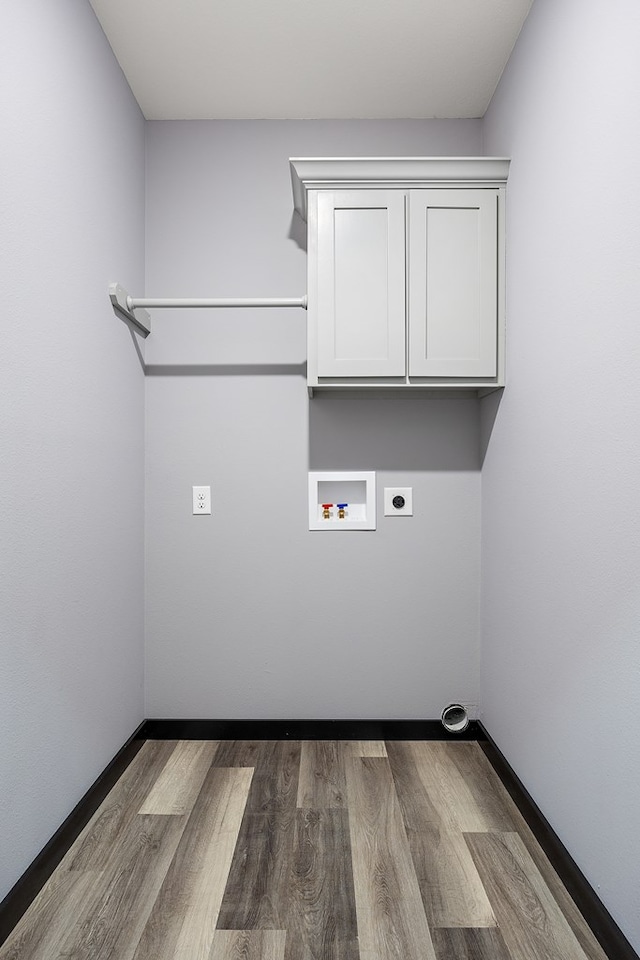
pixel 123 306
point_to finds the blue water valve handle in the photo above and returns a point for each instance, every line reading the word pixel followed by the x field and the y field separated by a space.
pixel 341 508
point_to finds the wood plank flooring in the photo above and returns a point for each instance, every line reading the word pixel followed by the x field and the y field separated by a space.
pixel 311 850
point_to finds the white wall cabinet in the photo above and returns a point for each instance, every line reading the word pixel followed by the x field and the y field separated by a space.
pixel 405 272
pixel 453 283
pixel 360 283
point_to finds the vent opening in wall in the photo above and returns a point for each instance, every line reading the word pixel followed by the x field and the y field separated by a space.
pixel 455 718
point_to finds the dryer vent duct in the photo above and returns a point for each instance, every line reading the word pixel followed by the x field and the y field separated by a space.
pixel 454 718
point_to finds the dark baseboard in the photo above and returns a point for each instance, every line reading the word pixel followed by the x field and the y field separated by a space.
pixel 36 875
pixel 304 730
pixel 604 928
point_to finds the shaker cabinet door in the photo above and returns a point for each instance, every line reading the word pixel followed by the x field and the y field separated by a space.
pixel 361 309
pixel 453 301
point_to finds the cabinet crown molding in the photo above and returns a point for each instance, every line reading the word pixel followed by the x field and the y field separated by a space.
pixel 327 173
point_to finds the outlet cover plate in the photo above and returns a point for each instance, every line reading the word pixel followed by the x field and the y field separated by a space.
pixel 201 501
pixel 390 493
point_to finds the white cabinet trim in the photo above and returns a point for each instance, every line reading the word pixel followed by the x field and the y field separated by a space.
pixel 353 173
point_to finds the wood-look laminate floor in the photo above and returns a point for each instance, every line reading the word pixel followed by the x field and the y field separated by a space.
pixel 312 850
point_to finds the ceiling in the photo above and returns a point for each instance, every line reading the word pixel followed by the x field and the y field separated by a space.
pixel 303 59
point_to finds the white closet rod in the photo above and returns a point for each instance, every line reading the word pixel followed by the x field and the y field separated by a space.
pixel 124 305
pixel 135 302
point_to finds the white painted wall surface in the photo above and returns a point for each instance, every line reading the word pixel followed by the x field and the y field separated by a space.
pixel 249 614
pixel 561 479
pixel 71 419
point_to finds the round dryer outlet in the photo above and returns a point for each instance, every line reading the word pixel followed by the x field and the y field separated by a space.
pixel 398 502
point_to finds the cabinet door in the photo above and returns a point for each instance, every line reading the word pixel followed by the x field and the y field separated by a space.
pixel 361 283
pixel 453 304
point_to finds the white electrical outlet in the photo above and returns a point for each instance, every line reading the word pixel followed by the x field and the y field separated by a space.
pixel 201 500
pixel 398 501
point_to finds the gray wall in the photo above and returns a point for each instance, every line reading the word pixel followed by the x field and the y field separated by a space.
pixel 248 613
pixel 561 479
pixel 71 419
